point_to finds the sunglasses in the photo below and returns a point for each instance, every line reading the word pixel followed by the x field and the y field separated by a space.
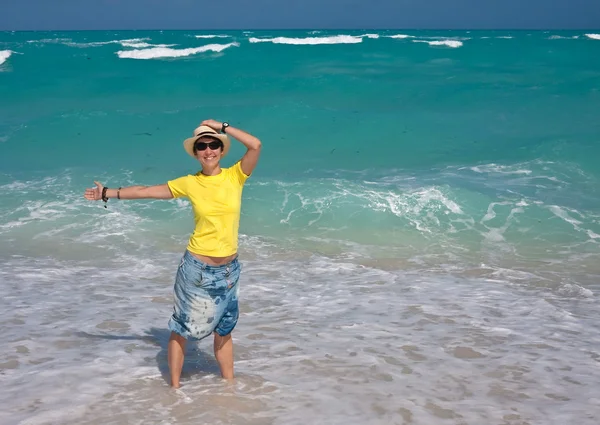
pixel 214 145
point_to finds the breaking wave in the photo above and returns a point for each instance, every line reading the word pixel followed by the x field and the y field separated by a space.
pixel 336 39
pixel 4 55
pixel 448 43
pixel 166 52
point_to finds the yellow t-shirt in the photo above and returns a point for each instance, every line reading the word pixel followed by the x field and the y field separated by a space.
pixel 216 202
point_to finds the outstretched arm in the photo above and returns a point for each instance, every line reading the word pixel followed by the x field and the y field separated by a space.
pixel 160 191
pixel 253 144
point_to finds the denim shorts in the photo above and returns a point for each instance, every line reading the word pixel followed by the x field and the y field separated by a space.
pixel 205 298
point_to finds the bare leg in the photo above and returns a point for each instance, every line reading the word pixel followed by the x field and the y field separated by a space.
pixel 224 354
pixel 175 356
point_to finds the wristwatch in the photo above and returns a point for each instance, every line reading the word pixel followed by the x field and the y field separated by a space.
pixel 224 126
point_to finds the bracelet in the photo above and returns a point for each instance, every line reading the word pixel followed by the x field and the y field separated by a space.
pixel 104 198
pixel 119 193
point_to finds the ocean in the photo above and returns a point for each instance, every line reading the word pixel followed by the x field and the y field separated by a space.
pixel 420 241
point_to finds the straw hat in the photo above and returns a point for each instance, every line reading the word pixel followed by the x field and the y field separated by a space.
pixel 206 131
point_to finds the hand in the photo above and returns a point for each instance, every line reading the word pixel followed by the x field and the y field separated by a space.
pixel 215 125
pixel 94 194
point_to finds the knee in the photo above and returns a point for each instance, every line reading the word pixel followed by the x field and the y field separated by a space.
pixel 178 338
pixel 220 341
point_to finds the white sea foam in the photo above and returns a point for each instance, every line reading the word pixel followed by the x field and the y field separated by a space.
pixel 4 55
pixel 500 169
pixel 440 38
pixel 448 43
pixel 566 215
pixel 562 213
pixel 560 37
pixel 126 42
pixel 494 235
pixel 575 290
pixel 412 205
pixel 466 343
pixel 593 36
pixel 50 40
pixel 143 45
pixel 400 36
pixel 336 39
pixel 374 36
pixel 422 208
pixel 165 52
pixel 212 36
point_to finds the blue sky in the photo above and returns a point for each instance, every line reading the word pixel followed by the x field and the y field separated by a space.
pixel 305 14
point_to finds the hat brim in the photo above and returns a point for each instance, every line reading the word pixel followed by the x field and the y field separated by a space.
pixel 188 144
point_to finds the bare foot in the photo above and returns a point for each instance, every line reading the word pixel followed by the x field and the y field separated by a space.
pixel 183 395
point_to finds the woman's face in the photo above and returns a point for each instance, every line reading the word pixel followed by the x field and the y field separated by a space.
pixel 208 151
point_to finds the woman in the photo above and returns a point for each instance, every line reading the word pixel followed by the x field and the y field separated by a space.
pixel 206 286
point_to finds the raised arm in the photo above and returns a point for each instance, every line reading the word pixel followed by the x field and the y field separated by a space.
pixel 253 144
pixel 160 191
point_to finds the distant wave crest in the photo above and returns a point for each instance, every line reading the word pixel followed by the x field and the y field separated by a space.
pixel 374 36
pixel 593 36
pixel 448 43
pixel 144 45
pixel 123 43
pixel 401 36
pixel 336 39
pixel 165 52
pixel 212 36
pixel 51 40
pixel 136 43
pixel 4 55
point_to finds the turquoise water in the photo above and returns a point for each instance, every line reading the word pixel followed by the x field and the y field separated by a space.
pixel 464 162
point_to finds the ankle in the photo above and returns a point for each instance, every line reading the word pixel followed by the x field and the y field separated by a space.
pixel 227 375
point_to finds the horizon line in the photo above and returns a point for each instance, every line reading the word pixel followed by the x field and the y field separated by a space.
pixel 305 29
